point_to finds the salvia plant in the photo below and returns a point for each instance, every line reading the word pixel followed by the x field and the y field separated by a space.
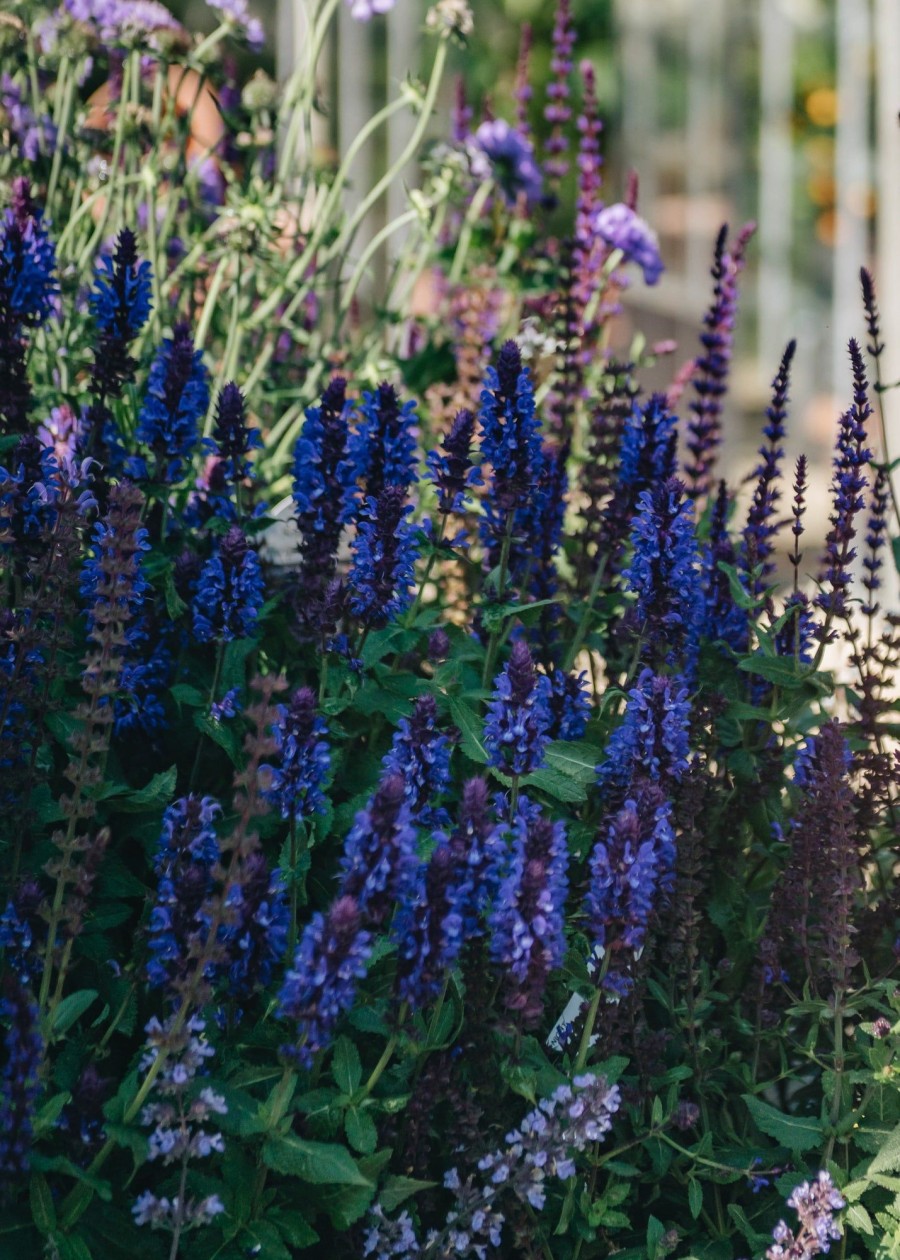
pixel 439 815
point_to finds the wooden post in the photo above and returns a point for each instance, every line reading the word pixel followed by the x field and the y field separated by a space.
pixel 776 175
pixel 852 173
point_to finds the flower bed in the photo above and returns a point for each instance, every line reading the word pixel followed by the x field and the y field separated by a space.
pixel 495 869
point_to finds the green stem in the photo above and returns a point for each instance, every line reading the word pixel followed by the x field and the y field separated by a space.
pixel 369 252
pixel 387 1055
pixel 586 614
pixel 473 214
pixel 67 74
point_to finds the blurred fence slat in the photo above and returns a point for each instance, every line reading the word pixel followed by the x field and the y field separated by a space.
pixel 776 177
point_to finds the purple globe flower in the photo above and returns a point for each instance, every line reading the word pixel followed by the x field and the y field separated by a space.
pixel 621 228
pixel 500 152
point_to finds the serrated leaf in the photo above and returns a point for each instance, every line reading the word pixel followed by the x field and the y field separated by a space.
pixel 576 761
pixel 560 786
pixel 888 1157
pixel 234 658
pixel 471 728
pixel 655 1234
pixel 295 1228
pixel 361 1132
pixel 797 1133
pixel 345 1066
pixel 695 1197
pixel 261 1238
pixel 319 1163
pixel 345 1204
pixel 859 1218
pixel 397 1190
pixel 155 795
pixel 70 1009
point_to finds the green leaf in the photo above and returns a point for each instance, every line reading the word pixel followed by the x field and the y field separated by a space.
pixel 295 1228
pixel 175 605
pixel 43 1210
pixel 263 1239
pixel 560 786
pixel 695 1197
pixel 155 795
pixel 888 1157
pixel 345 1204
pixel 345 1066
pixel 59 1163
pixel 70 1009
pixel 319 1163
pixel 220 734
pixel 576 761
pixel 655 1234
pixel 859 1218
pixel 48 1115
pixel 656 1115
pixel 71 1247
pixel 397 1190
pixel 471 728
pixel 234 666
pixel 797 1133
pixel 361 1132
pixel 184 693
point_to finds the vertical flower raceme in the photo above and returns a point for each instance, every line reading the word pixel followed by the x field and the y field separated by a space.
pixel 229 591
pixel 420 753
pixel 450 466
pixel 383 446
pixel 538 532
pixel 381 578
pixel 379 863
pixel 570 706
pixel 120 303
pixel 19 1086
pixel 186 859
pixel 510 443
pixel 320 986
pixel 558 111
pixel 761 528
pixel 305 758
pixel 28 494
pixel 21 930
pixel 606 513
pixel 527 923
pixel 113 585
pixel 176 400
pixel 810 927
pixel 28 290
pixel 254 936
pixel 713 366
pixel 851 457
pixel 647 452
pixel 517 729
pixel 664 572
pixel 651 742
pixel 323 492
pixel 233 441
pixel 179 1114
pixel 723 618
pixel 632 861
pixel 589 163
pixel 429 927
pixel 815 1205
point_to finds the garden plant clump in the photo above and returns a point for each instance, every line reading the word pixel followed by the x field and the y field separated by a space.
pixel 429 826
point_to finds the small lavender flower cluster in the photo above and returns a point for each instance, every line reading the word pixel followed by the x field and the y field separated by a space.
pixel 815 1204
pixel 540 1149
pixel 178 1118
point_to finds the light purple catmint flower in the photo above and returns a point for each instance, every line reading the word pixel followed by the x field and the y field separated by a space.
pixel 815 1204
pixel 365 10
pixel 622 229
pixel 236 14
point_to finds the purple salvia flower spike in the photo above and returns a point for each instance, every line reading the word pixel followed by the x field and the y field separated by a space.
pixel 320 986
pixel 381 580
pixel 19 1085
pixel 420 753
pixel 558 111
pixel 516 730
pixel 757 544
pixel 712 367
pixel 379 864
pixel 848 482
